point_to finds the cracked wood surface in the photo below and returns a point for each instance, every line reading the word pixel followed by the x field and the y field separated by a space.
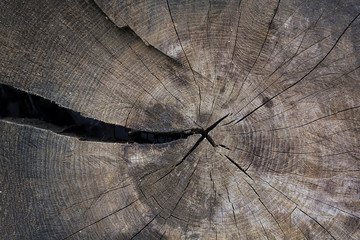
pixel 271 86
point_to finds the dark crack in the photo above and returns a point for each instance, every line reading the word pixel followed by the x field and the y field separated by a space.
pixel 238 166
pixel 262 46
pixel 187 59
pixel 318 223
pixel 15 103
pixel 111 214
pixel 204 135
pixel 307 74
pixel 137 233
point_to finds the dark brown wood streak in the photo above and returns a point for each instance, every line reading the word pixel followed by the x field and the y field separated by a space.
pixel 234 119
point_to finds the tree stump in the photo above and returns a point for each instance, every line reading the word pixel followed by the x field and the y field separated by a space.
pixel 263 94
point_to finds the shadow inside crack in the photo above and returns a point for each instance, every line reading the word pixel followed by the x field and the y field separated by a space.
pixel 15 103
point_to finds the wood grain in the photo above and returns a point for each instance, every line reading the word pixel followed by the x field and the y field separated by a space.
pixel 272 84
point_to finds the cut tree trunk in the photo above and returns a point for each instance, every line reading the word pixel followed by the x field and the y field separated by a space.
pixel 262 94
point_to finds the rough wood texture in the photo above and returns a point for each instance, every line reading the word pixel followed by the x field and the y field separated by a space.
pixel 283 77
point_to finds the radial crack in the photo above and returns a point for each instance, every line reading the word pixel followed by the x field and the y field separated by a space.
pixel 271 215
pixel 19 104
pixel 317 223
pixel 238 166
pixel 262 46
pixel 137 233
pixel 307 74
pixel 78 231
pixel 187 60
pixel 183 159
pixel 233 210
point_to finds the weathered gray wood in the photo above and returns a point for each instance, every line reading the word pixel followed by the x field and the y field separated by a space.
pixel 283 163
